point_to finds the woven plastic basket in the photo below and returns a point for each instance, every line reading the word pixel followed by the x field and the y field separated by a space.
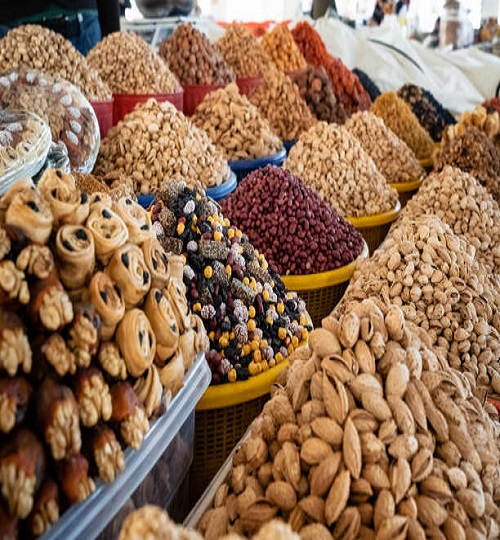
pixel 406 190
pixel 322 292
pixel 375 228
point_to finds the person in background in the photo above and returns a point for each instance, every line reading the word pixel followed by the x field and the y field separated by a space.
pixel 83 22
pixel 320 7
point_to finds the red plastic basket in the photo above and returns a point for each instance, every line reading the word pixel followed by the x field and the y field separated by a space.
pixel 125 103
pixel 248 85
pixel 104 112
pixel 194 94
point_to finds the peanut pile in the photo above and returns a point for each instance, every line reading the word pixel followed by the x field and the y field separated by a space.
pixel 191 56
pixel 333 163
pixel 279 100
pixel 235 126
pixel 391 155
pixel 280 46
pixel 243 52
pixel 398 117
pixel 33 46
pixel 156 143
pixel 128 66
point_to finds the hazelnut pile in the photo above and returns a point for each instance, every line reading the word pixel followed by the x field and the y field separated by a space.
pixel 280 46
pixel 128 66
pixel 333 163
pixel 391 155
pixel 243 52
pixel 156 143
pixel 279 100
pixel 398 117
pixel 235 126
pixel 35 47
pixel 193 59
pixel 253 323
pixel 290 224
pixel 317 91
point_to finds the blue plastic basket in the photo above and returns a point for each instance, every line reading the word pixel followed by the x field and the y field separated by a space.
pixel 288 145
pixel 145 200
pixel 246 166
pixel 221 192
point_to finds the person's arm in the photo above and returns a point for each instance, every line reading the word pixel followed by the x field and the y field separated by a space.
pixel 109 16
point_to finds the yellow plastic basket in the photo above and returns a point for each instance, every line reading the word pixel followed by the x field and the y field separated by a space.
pixel 322 292
pixel 406 190
pixel 375 228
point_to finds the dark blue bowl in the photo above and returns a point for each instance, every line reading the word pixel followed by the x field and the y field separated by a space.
pixel 145 200
pixel 245 166
pixel 288 145
pixel 221 192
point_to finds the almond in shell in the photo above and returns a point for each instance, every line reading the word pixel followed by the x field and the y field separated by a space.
pixel 328 430
pixel 363 420
pixel 384 508
pixel 315 450
pixel 375 404
pixel 376 475
pixel 422 465
pixel 393 528
pixel 349 329
pixel 397 380
pixel 337 497
pixel 282 495
pixel 361 491
pixel 323 342
pixel 313 507
pixel 291 464
pixel 430 512
pixel 364 357
pixel 400 477
pixel 324 474
pixel 315 531
pixel 348 524
pixel 372 448
pixel 351 449
pixel 256 515
pixel 335 399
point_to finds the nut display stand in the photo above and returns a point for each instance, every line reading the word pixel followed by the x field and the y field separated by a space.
pixel 152 474
pixel 406 190
pixel 125 103
pixel 245 166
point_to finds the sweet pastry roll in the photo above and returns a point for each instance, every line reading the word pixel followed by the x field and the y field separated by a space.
pixel 74 479
pixel 136 341
pixel 57 353
pixel 172 374
pixel 76 255
pixel 100 199
pixel 36 260
pixel 149 390
pixel 187 348
pixel 50 304
pixel 161 315
pixel 105 452
pixel 83 336
pixel 156 261
pixel 106 297
pixel 93 396
pixel 46 508
pixel 128 269
pixel 136 218
pixel 111 361
pixel 15 395
pixel 109 232
pixel 15 348
pixel 175 293
pixel 5 201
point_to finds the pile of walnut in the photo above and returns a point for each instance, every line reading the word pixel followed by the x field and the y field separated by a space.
pixel 129 66
pixel 155 143
pixel 279 100
pixel 95 339
pixel 333 163
pixel 280 46
pixel 33 46
pixel 235 126
pixel 373 436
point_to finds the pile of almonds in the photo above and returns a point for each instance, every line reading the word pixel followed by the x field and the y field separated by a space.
pixel 461 202
pixel 278 99
pixel 128 65
pixel 155 143
pixel 391 155
pixel 243 52
pixel 235 126
pixel 33 46
pixel 398 117
pixel 333 163
pixel 191 56
pixel 280 46
pixel 373 436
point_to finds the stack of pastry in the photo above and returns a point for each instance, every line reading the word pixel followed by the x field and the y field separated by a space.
pixel 95 338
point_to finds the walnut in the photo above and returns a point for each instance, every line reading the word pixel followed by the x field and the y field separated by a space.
pixel 13 285
pixel 36 260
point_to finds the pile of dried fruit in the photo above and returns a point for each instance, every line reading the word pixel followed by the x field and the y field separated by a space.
pixel 252 322
pixel 280 46
pixel 83 369
pixel 391 155
pixel 398 117
pixel 430 113
pixel 35 47
pixel 373 436
pixel 191 56
pixel 333 163
pixel 346 85
pixel 235 126
pixel 278 99
pixel 129 66
pixel 316 89
pixel 368 83
pixel 292 226
pixel 243 52
pixel 156 143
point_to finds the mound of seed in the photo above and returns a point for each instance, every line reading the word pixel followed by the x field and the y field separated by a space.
pixel 252 322
pixel 33 46
pixel 430 113
pixel 191 56
pixel 316 89
pixel 368 83
pixel 290 224
pixel 280 46
pixel 279 100
pixel 391 155
pixel 155 143
pixel 333 163
pixel 129 66
pixel 398 117
pixel 235 126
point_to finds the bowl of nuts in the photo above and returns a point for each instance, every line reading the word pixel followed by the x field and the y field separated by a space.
pixel 244 167
pixel 194 94
pixel 248 85
pixel 125 103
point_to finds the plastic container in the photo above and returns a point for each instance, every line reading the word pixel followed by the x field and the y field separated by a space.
pixel 125 103
pixel 145 200
pixel 245 166
pixel 221 192
pixel 194 94
pixel 248 85
pixel 104 113
pixel 375 228
pixel 406 190
pixel 322 292
pixel 161 452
